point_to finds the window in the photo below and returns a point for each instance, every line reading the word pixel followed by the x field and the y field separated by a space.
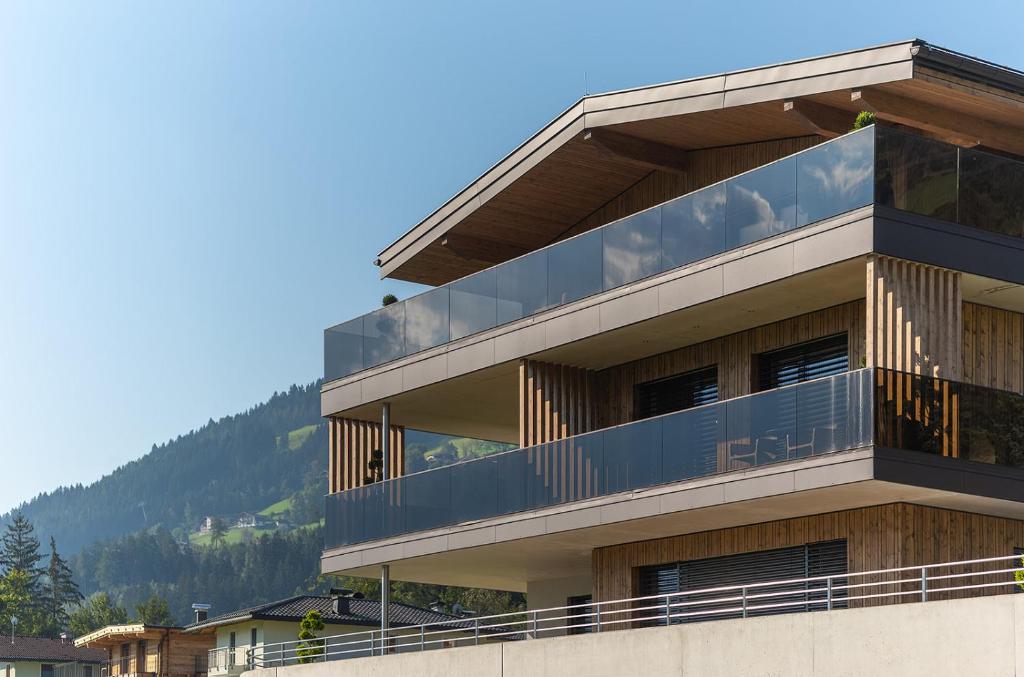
pixel 46 670
pixel 803 362
pixel 231 652
pixel 676 393
pixel 140 656
pixel 579 618
pixel 86 671
pixel 827 558
pixel 126 650
pixel 252 637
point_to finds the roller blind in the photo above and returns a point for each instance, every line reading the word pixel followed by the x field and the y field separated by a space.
pixel 676 393
pixel 804 362
pixel 827 558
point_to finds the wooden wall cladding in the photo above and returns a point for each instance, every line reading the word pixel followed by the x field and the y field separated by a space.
pixel 707 166
pixel 993 347
pixel 554 402
pixel 914 318
pixel 879 537
pixel 615 387
pixel 351 443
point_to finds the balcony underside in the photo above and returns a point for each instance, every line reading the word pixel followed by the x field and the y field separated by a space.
pixel 509 551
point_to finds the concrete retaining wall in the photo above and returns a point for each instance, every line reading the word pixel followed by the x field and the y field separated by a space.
pixel 983 636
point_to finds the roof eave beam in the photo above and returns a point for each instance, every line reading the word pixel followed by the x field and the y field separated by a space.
pixel 653 154
pixel 480 249
pixel 819 118
pixel 944 125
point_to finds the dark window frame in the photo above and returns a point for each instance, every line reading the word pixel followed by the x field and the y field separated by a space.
pixel 819 558
pixel 812 359
pixel 702 384
pixel 579 616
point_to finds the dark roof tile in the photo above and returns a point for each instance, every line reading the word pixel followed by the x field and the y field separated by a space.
pixel 47 650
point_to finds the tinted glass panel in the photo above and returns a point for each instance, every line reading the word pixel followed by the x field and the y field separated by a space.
pixel 835 177
pixel 693 227
pixel 427 497
pixel 632 456
pixel 991 193
pixel 511 482
pixel 474 490
pixel 574 268
pixel 522 286
pixel 343 349
pixel 426 320
pixel 372 497
pixel 915 174
pixel 690 447
pixel 632 248
pixel 384 335
pixel 558 472
pixel 474 304
pixel 761 203
pixel 761 429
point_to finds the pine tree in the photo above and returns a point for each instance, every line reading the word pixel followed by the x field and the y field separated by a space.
pixel 20 550
pixel 60 592
pixel 154 611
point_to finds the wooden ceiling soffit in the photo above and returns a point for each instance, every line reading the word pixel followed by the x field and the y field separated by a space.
pixel 652 154
pixel 945 124
pixel 819 118
pixel 481 249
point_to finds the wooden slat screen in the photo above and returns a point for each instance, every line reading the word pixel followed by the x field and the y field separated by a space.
pixel 351 445
pixel 554 402
pixel 914 318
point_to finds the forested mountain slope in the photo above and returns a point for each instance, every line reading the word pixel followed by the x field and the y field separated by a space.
pixel 239 463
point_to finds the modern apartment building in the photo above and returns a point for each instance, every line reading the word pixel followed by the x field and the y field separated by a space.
pixel 733 339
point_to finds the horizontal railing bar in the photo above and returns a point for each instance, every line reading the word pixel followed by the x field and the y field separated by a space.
pixel 750 599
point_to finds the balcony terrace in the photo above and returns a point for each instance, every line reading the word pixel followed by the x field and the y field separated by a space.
pixel 881 166
pixel 854 410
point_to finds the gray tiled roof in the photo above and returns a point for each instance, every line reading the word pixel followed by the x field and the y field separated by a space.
pixel 360 612
pixel 47 651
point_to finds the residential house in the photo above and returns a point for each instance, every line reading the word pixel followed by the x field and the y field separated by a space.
pixel 242 635
pixel 736 343
pixel 137 649
pixel 44 657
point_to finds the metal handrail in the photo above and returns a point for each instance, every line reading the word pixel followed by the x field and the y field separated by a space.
pixel 818 593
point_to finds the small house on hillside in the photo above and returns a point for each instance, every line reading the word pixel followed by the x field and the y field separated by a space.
pixel 44 657
pixel 138 650
pixel 248 520
pixel 267 635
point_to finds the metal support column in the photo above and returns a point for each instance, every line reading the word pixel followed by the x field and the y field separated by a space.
pixel 385 606
pixel 385 442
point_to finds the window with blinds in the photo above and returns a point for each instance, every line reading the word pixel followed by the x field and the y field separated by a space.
pixel 804 362
pixel 676 393
pixel 827 558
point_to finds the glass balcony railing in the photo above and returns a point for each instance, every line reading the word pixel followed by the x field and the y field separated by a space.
pixel 817 417
pixel 874 165
pixel 837 413
pixel 829 179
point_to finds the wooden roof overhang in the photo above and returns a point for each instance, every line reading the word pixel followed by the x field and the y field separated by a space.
pixel 606 143
pixel 115 635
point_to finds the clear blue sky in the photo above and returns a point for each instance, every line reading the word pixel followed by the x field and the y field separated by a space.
pixel 191 191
